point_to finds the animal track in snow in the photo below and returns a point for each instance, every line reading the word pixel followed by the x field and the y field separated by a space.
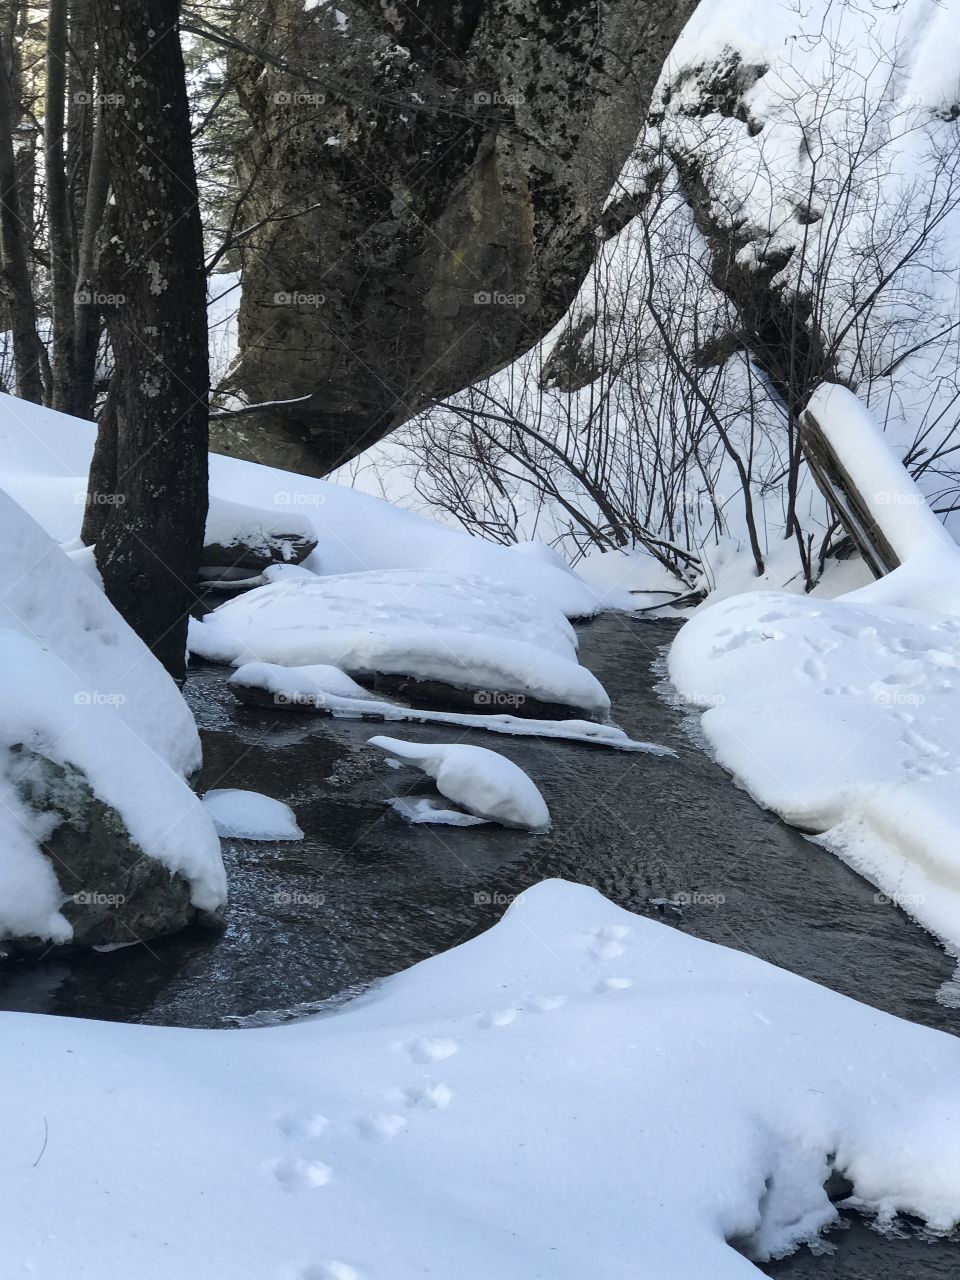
pixel 544 1004
pixel 301 1124
pixel 330 1271
pixel 294 1172
pixel 428 1096
pixel 498 1018
pixel 605 943
pixel 814 669
pixel 381 1127
pixel 426 1049
pixel 612 984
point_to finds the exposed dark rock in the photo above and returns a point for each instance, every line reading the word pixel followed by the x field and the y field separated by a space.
pixel 426 192
pixel 240 558
pixel 116 894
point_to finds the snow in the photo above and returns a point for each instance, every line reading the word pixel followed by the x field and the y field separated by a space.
pixel 422 810
pixel 845 720
pixel 464 631
pixel 482 782
pixel 81 689
pixel 238 528
pixel 248 815
pixel 45 456
pixel 893 498
pixel 573 1090
pixel 329 690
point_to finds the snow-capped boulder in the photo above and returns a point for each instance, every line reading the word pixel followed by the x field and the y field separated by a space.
pixel 101 839
pixel 509 651
pixel 239 537
pixel 484 783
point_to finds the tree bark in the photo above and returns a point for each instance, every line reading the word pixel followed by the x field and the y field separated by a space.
pixel 152 289
pixel 58 207
pixel 14 266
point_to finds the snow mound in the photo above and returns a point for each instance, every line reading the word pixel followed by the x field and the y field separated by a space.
pixel 45 596
pixel 845 720
pixel 464 631
pixel 624 1092
pixel 482 782
pixel 248 815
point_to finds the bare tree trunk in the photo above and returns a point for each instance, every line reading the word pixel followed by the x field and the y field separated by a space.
pixel 86 319
pixel 149 543
pixel 58 206
pixel 14 265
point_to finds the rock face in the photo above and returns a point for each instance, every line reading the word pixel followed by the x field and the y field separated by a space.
pixel 425 184
pixel 115 893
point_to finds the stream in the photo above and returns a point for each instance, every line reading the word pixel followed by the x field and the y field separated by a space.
pixel 366 894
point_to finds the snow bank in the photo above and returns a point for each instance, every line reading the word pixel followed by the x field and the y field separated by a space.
pixel 463 631
pixel 845 720
pixel 45 596
pixel 577 1089
pixel 248 815
pixel 45 456
pixel 482 782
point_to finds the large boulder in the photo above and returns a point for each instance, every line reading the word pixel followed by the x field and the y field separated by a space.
pixel 102 840
pixel 424 187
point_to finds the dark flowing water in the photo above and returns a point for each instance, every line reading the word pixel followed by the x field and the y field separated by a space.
pixel 365 894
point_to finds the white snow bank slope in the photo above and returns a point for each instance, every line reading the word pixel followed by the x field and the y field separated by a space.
pixel 433 625
pixel 486 784
pixel 845 720
pixel 573 1091
pixel 44 458
pixel 45 596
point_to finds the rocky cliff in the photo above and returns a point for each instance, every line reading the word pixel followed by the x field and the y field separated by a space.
pixel 423 186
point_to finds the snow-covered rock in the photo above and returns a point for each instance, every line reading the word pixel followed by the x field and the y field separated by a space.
pixel 95 741
pixel 250 538
pixel 482 782
pixel 575 1090
pixel 467 632
pixel 248 815
pixel 329 691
